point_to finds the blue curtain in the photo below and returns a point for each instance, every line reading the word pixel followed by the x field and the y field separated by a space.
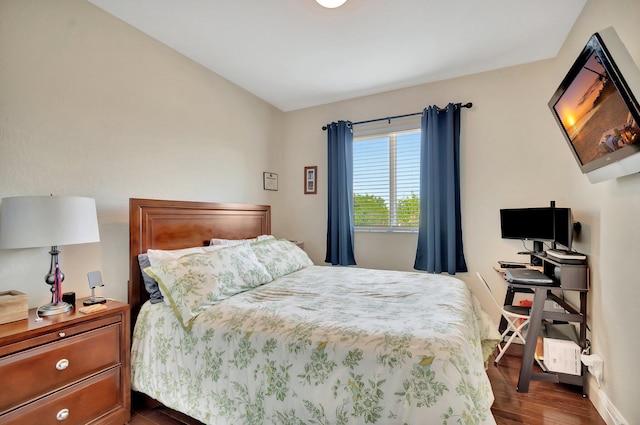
pixel 340 187
pixel 440 232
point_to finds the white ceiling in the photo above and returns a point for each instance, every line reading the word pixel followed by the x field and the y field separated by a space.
pixel 296 54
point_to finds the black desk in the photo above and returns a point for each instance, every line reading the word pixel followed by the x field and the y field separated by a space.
pixel 538 314
pixel 569 277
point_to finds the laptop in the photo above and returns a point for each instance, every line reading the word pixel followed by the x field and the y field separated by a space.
pixel 528 277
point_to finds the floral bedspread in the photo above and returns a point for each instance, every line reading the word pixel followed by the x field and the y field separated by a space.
pixel 323 345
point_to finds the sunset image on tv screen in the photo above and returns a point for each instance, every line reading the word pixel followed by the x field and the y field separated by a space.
pixel 594 115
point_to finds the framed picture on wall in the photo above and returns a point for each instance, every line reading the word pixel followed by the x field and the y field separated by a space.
pixel 310 180
pixel 270 181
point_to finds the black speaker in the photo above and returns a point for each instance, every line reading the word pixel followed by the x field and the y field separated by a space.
pixel 69 297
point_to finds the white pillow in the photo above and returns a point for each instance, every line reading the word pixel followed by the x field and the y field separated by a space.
pixel 233 242
pixel 162 256
pixel 195 282
pixel 281 256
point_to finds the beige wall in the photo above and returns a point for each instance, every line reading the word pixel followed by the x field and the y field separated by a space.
pixel 513 155
pixel 90 106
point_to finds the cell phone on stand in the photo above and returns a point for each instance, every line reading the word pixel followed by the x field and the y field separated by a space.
pixel 95 280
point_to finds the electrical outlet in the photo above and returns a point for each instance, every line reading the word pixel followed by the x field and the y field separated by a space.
pixel 594 364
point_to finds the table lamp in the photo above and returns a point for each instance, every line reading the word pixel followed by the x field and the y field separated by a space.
pixel 37 221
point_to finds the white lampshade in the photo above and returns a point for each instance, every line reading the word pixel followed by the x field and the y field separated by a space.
pixel 39 221
pixel 331 4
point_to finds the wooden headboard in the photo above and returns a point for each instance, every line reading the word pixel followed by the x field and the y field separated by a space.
pixel 160 224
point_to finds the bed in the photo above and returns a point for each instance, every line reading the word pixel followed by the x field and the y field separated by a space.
pixel 312 345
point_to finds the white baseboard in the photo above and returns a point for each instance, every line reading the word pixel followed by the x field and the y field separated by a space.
pixel 603 405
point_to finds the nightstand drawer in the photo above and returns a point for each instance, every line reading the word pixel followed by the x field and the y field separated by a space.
pixel 14 343
pixel 82 403
pixel 39 371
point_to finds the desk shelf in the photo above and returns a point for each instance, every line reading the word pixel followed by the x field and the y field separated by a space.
pixel 569 277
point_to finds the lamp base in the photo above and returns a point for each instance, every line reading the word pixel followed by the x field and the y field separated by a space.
pixel 51 308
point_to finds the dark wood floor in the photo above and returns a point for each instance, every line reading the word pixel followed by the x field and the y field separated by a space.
pixel 545 403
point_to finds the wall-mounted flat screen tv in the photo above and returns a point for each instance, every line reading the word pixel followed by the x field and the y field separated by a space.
pixel 597 110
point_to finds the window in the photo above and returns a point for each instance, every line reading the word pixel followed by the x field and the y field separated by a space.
pixel 386 181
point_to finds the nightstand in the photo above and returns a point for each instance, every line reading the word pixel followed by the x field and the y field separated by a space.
pixel 71 368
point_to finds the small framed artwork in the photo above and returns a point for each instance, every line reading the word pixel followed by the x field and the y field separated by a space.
pixel 310 180
pixel 270 181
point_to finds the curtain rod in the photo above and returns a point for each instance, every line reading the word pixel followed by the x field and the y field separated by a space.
pixel 461 105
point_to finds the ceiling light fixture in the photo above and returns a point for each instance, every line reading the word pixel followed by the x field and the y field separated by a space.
pixel 331 4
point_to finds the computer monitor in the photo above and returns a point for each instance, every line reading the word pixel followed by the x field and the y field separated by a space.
pixel 547 224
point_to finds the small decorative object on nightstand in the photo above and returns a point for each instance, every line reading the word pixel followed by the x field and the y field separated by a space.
pixel 13 306
pixel 72 368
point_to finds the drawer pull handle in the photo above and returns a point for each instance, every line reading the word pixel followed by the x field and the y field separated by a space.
pixel 62 364
pixel 62 415
pixel 62 334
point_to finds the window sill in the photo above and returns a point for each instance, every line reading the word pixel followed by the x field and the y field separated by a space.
pixel 386 230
